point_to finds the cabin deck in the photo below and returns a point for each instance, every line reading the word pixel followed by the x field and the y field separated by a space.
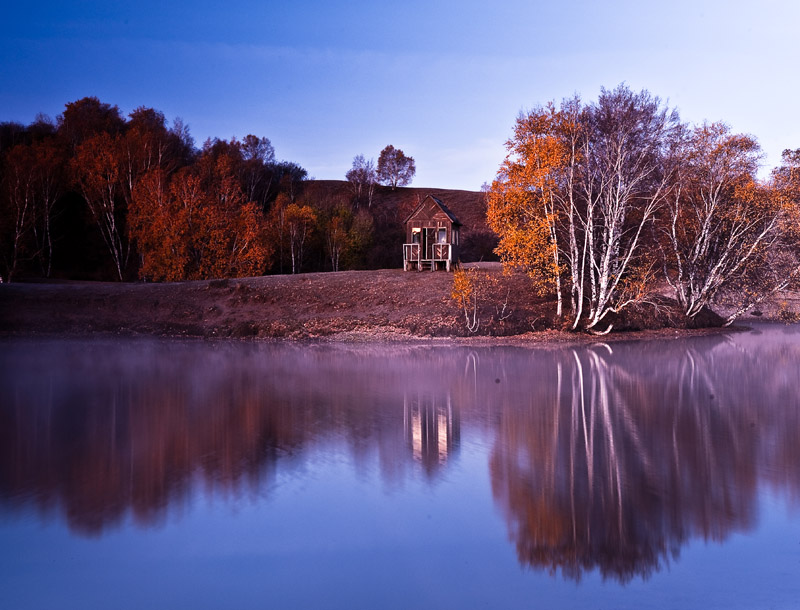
pixel 435 256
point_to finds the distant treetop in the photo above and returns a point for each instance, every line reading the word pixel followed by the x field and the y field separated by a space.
pixel 395 168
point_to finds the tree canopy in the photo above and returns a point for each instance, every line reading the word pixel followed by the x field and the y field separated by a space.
pixel 604 201
pixel 395 168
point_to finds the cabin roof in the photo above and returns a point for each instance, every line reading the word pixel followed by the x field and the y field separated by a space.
pixel 438 202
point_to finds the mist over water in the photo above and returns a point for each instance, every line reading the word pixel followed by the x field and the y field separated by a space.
pixel 336 475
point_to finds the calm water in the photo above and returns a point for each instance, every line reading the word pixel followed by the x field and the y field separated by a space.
pixel 142 474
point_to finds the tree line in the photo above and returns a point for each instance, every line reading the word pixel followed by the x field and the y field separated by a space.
pixel 96 194
pixel 606 203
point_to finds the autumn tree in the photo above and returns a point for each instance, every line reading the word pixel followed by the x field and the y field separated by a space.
pixel 521 205
pixel 31 183
pixel 476 294
pixel 348 236
pixel 258 149
pixel 160 221
pixel 17 206
pixel 395 168
pixel 336 229
pixel 86 118
pixel 721 221
pixel 257 172
pixel 591 178
pixel 191 230
pixel 11 134
pixel 362 179
pixel 625 176
pixel 773 230
pixel 290 178
pixel 147 143
pixel 300 221
pixel 236 229
pixel 183 136
pixel 107 157
pixel 32 178
pixel 360 238
pixel 276 223
pixel 50 170
pixel 98 174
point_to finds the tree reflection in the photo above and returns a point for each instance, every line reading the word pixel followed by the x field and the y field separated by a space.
pixel 101 432
pixel 631 451
pixel 606 458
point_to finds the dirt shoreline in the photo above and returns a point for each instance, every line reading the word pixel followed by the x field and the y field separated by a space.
pixel 344 307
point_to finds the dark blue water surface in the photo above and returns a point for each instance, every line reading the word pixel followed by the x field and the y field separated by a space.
pixel 169 474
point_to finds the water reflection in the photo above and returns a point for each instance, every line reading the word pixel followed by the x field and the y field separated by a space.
pixel 99 431
pixel 432 428
pixel 632 451
pixel 608 458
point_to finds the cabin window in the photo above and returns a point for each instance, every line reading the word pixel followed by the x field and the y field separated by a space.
pixel 442 238
pixel 415 234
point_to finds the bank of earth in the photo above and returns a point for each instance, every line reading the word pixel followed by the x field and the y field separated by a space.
pixel 349 305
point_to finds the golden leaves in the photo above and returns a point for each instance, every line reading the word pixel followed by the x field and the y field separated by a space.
pixel 520 206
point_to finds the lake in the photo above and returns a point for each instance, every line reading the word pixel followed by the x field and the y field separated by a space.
pixel 186 474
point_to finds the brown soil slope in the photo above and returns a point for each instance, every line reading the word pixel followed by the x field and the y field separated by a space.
pixel 388 302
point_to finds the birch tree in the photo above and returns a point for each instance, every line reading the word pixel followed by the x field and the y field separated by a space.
pixel 50 179
pixel 775 264
pixel 17 207
pixel 98 171
pixel 362 178
pixel 300 221
pixel 625 177
pixel 589 180
pixel 720 220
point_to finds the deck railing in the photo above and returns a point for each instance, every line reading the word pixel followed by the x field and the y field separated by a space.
pixel 411 252
pixel 442 252
pixel 436 252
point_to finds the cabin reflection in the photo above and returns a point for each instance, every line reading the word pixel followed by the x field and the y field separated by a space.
pixel 432 428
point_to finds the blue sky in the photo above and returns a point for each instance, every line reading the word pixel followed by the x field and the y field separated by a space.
pixel 443 81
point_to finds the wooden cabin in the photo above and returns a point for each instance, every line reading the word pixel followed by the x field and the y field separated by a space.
pixel 431 237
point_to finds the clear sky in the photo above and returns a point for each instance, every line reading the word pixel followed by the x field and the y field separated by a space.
pixel 442 80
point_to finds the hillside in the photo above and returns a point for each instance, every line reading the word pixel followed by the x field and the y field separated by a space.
pixel 301 306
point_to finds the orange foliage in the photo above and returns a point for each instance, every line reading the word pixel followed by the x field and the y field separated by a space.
pixel 481 297
pixel 300 221
pixel 186 232
pixel 97 170
pixel 520 204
